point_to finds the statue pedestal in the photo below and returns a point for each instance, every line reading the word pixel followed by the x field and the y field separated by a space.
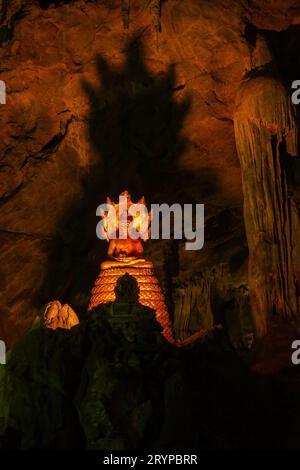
pixel 150 293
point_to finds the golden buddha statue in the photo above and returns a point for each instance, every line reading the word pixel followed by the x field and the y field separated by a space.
pixel 125 256
pixel 125 250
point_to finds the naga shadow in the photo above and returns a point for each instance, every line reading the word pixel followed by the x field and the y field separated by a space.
pixel 135 124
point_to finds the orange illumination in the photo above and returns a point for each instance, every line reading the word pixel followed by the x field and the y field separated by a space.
pixel 126 257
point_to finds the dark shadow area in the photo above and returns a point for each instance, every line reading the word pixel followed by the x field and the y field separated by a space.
pixel 127 289
pixel 44 4
pixel 7 27
pixel 285 46
pixel 135 124
pixel 98 386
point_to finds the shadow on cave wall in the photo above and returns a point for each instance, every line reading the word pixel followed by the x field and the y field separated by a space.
pixel 135 124
pixel 135 128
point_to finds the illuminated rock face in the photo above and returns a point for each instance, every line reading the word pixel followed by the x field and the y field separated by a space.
pixel 150 293
pixel 157 121
pixel 266 137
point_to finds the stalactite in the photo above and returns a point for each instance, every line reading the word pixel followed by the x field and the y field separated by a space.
pixel 155 10
pixel 155 14
pixel 266 136
pixel 125 8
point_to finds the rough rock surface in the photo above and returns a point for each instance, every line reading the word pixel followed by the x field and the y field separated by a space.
pixel 93 108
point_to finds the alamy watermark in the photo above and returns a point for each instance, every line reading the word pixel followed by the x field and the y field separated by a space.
pixel 134 221
pixel 295 358
pixel 296 93
pixel 2 92
pixel 2 352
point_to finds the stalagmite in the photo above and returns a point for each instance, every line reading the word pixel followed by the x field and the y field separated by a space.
pixel 266 140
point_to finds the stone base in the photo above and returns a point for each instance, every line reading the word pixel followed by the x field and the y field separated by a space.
pixel 150 293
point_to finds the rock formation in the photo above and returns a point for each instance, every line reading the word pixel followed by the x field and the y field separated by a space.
pixel 266 138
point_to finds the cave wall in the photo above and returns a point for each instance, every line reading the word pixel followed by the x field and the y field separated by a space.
pixel 93 108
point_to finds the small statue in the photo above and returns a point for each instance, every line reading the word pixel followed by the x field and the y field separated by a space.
pixel 59 316
pixel 125 253
pixel 127 289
